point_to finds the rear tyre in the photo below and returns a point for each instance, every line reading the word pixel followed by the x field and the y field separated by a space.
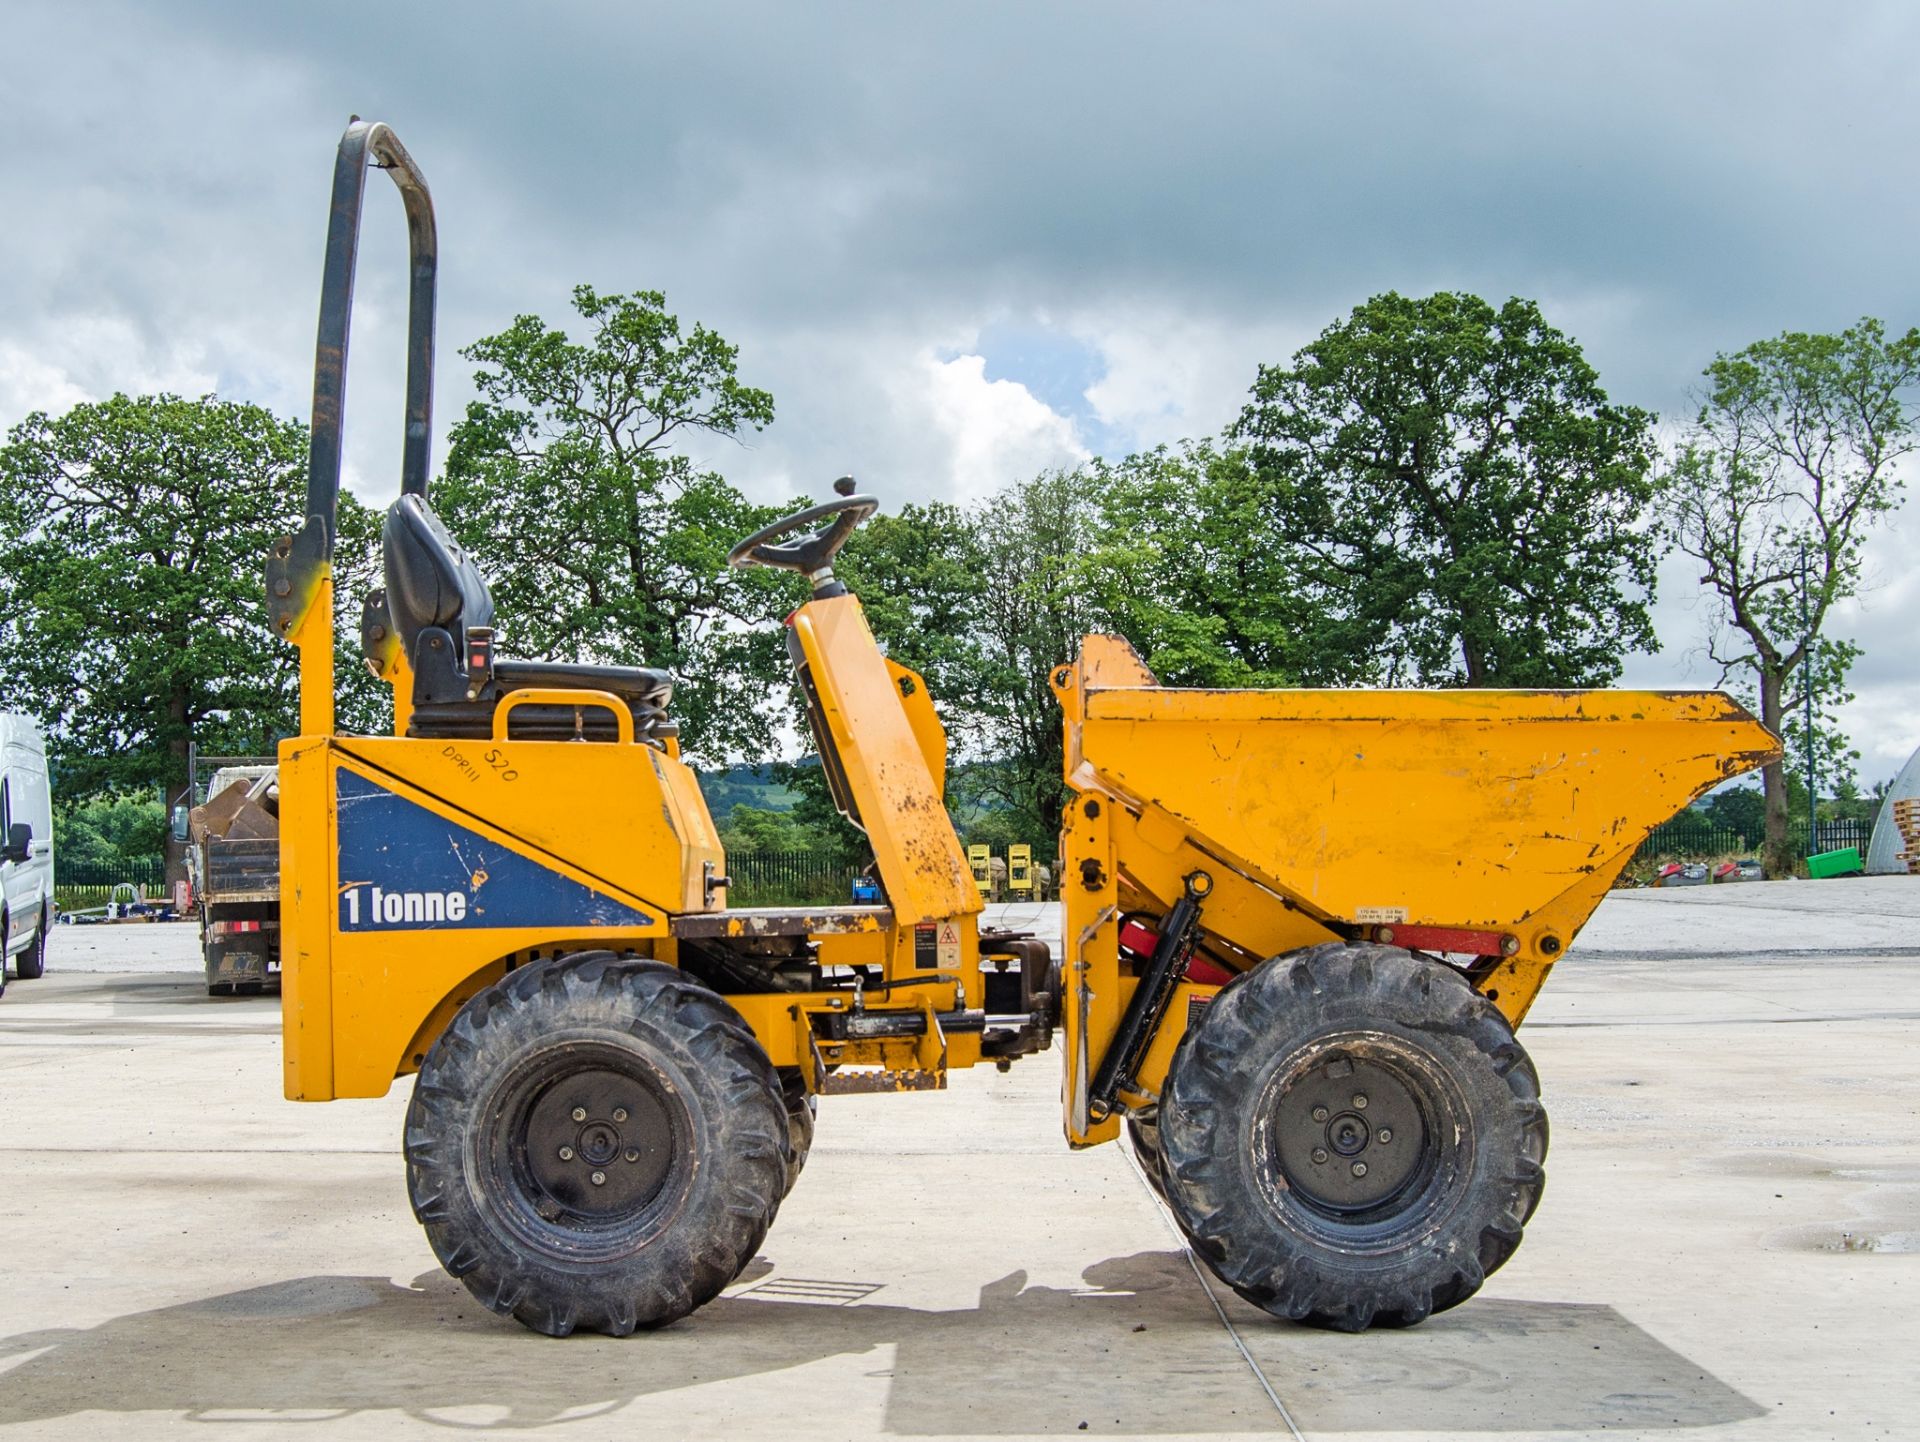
pixel 1143 1136
pixel 1352 1137
pixel 801 1109
pixel 31 964
pixel 596 1143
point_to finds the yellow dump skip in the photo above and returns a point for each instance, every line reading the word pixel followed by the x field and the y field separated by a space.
pixel 1505 812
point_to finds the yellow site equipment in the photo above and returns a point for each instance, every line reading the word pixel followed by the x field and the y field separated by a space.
pixel 1020 871
pixel 980 863
pixel 1300 927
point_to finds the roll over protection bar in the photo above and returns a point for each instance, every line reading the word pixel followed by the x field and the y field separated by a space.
pixel 298 563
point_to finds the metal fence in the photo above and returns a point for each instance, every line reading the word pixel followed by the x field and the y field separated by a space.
pixel 1685 839
pixel 788 878
pixel 78 886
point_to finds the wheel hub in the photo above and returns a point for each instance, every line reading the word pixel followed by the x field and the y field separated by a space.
pixel 1349 1133
pixel 597 1144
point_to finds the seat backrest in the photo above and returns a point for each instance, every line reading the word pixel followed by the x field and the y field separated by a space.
pixel 431 581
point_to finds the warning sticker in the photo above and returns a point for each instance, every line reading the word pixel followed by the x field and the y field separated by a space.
pixel 926 946
pixel 949 947
pixel 1196 1010
pixel 1377 914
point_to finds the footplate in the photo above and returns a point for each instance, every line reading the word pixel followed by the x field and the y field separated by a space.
pixel 851 1083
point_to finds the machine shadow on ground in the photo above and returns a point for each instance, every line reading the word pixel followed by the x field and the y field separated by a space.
pixel 1140 1350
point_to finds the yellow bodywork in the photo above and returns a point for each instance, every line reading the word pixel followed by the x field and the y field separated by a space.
pixel 1496 818
pixel 416 872
pixel 614 840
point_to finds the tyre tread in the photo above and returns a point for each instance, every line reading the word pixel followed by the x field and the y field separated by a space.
pixel 741 1181
pixel 1260 1016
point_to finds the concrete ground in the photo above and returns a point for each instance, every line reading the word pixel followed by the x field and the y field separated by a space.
pixel 1729 1245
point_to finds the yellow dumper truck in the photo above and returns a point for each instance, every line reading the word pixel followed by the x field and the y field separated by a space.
pixel 1299 927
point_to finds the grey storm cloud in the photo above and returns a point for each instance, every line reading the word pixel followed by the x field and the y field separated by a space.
pixel 861 196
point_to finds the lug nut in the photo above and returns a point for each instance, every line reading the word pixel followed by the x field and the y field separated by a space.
pixel 600 1178
pixel 632 1155
pixel 1319 1114
pixel 1319 1154
pixel 619 1114
pixel 579 1114
pixel 1359 1169
pixel 1359 1101
pixel 1385 1134
pixel 566 1154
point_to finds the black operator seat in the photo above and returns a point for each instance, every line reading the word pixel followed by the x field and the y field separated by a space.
pixel 437 606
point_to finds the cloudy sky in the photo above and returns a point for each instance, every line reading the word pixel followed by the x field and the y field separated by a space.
pixel 963 242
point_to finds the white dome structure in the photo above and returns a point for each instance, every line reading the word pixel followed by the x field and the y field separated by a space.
pixel 1883 851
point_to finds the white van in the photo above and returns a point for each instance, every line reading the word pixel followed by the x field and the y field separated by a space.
pixel 26 847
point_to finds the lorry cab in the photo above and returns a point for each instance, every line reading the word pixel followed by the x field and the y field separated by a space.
pixel 26 847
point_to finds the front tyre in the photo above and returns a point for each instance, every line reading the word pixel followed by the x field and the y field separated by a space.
pixel 596 1143
pixel 31 964
pixel 802 1107
pixel 1352 1137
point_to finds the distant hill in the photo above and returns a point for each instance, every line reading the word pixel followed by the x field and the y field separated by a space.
pixel 753 786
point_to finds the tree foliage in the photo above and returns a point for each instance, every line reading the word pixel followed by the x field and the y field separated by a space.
pixel 1793 457
pixel 753 828
pixel 132 617
pixel 600 540
pixel 1188 561
pixel 1036 538
pixel 1461 498
pixel 109 830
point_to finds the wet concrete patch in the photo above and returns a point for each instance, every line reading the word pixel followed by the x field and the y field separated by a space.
pixel 1887 1223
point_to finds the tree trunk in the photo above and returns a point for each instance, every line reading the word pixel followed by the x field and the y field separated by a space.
pixel 1777 854
pixel 1474 657
pixel 176 851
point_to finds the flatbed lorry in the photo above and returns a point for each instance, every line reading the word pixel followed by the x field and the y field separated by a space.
pixel 233 865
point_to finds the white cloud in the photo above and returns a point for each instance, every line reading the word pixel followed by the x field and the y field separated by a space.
pixel 29 382
pixel 1171 375
pixel 995 432
pixel 88 358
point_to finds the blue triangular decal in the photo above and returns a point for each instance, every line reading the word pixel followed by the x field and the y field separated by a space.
pixel 405 868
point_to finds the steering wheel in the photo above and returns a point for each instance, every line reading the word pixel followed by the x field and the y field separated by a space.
pixel 811 556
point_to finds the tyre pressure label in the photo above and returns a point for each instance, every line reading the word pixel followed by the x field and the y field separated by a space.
pixel 1371 915
pixel 405 868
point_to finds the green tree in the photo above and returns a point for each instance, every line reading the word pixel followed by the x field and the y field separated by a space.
pixel 600 541
pixel 1034 537
pixel 1792 459
pixel 132 535
pixel 1459 493
pixel 1188 563
pixel 1741 810
pixel 110 829
pixel 133 532
pixel 749 828
pixel 921 574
